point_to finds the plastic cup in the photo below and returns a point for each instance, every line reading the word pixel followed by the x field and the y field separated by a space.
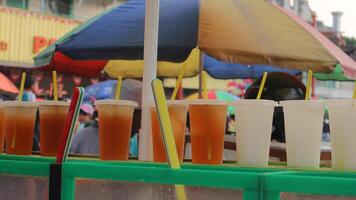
pixel 303 128
pixel 20 120
pixel 53 115
pixel 2 126
pixel 342 115
pixel 207 130
pixel 178 115
pixel 253 135
pixel 115 122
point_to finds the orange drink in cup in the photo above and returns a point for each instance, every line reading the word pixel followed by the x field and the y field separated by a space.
pixel 19 127
pixel 115 122
pixel 207 130
pixel 178 114
pixel 53 115
pixel 2 126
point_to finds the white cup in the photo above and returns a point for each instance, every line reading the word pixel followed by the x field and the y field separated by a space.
pixel 303 128
pixel 342 119
pixel 253 131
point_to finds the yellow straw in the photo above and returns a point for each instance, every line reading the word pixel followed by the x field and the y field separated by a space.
pixel 309 80
pixel 22 87
pixel 262 85
pixel 118 87
pixel 205 88
pixel 179 81
pixel 354 95
pixel 167 133
pixel 55 86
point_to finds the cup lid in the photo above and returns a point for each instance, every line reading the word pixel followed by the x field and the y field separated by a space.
pixel 180 103
pixel 116 102
pixel 302 103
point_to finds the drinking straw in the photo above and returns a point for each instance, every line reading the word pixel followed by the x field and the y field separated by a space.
pixel 205 88
pixel 55 88
pixel 22 86
pixel 179 81
pixel 73 112
pixel 354 94
pixel 262 85
pixel 167 133
pixel 309 80
pixel 118 87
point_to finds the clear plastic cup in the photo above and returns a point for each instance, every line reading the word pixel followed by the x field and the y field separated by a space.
pixel 53 115
pixel 20 120
pixel 342 115
pixel 303 128
pixel 115 122
pixel 178 115
pixel 207 130
pixel 2 126
pixel 253 131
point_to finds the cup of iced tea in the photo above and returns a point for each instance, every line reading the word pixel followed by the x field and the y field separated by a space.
pixel 20 120
pixel 342 115
pixel 2 125
pixel 303 122
pixel 53 115
pixel 253 131
pixel 178 115
pixel 207 130
pixel 115 123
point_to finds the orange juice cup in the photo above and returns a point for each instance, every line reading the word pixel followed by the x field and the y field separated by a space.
pixel 19 127
pixel 178 114
pixel 207 130
pixel 2 126
pixel 115 122
pixel 53 116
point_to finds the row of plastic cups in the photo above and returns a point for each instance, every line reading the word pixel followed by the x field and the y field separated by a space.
pixel 17 125
pixel 303 128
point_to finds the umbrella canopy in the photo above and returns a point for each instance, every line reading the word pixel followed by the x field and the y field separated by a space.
pixel 224 70
pixel 219 95
pixel 237 31
pixel 336 75
pixel 6 85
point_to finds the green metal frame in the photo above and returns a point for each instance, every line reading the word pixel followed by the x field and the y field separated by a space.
pixel 256 183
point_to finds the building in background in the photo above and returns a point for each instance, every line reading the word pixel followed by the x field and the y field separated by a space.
pixel 25 33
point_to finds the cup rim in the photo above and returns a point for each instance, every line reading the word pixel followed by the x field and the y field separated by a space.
pixel 174 103
pixel 340 102
pixel 256 102
pixel 301 102
pixel 116 102
pixel 53 103
pixel 207 102
pixel 20 104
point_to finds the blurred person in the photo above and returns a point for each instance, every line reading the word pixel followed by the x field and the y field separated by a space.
pixel 85 116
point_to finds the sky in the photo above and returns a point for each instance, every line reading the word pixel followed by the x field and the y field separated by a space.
pixel 323 9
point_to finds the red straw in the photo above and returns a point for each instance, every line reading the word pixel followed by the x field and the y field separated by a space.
pixel 66 131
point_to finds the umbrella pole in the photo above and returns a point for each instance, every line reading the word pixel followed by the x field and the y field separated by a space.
pixel 149 74
pixel 201 64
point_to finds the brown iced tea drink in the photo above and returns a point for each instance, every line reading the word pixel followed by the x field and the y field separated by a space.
pixel 115 122
pixel 207 130
pixel 19 127
pixel 178 114
pixel 2 126
pixel 53 115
